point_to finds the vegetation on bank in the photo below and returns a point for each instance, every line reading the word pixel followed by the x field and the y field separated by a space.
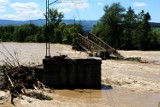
pixel 124 29
pixel 32 33
pixel 119 27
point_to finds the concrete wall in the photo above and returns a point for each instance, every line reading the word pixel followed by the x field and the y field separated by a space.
pixel 68 73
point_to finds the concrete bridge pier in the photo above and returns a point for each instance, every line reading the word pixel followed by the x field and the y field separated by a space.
pixel 71 73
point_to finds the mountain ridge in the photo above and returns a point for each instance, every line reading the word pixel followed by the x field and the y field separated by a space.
pixel 87 24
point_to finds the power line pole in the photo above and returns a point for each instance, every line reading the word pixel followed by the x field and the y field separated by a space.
pixel 47 22
pixel 74 22
pixel 48 55
pixel 46 33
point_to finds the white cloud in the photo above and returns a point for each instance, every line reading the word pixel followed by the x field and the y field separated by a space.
pixel 2 8
pixel 69 5
pixel 25 10
pixel 139 4
pixel 4 1
pixel 10 16
pixel 24 7
pixel 65 10
pixel 100 4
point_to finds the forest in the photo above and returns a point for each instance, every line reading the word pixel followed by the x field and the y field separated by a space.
pixel 32 33
pixel 119 27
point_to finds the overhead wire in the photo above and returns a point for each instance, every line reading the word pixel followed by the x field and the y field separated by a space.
pixel 77 12
pixel 74 4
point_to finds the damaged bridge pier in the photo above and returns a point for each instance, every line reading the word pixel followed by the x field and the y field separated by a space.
pixel 63 73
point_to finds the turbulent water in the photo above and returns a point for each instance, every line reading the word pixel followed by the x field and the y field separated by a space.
pixel 25 52
pixel 33 52
pixel 131 84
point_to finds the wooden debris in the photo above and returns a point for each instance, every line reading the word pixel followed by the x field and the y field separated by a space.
pixel 18 79
pixel 16 91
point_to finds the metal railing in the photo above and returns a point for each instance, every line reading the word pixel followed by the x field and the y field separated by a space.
pixel 88 44
pixel 101 43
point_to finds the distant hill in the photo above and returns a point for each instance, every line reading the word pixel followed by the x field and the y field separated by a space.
pixel 38 22
pixel 155 25
pixel 87 24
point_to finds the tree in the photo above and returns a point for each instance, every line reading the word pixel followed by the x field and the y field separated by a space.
pixel 156 38
pixel 23 31
pixel 70 33
pixel 40 35
pixel 129 26
pixel 143 31
pixel 110 24
pixel 6 33
pixel 54 19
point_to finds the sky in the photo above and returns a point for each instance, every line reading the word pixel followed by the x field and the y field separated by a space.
pixel 72 9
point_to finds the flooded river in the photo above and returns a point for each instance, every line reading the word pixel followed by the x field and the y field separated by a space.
pixel 126 83
pixel 35 52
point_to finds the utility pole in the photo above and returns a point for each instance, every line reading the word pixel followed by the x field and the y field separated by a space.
pixel 74 22
pixel 48 55
pixel 46 33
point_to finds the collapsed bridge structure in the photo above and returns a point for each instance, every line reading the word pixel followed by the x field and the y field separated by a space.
pixel 94 46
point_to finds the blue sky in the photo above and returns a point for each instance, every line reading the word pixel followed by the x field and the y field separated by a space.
pixel 78 9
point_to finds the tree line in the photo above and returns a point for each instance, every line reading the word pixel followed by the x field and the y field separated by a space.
pixel 124 29
pixel 119 27
pixel 32 33
pixel 58 32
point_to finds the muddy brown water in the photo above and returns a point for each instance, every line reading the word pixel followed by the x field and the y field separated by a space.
pixel 128 84
pixel 116 97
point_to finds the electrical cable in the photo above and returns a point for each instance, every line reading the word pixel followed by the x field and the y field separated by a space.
pixel 74 4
